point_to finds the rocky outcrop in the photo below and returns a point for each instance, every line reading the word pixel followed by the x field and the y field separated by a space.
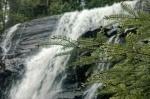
pixel 25 42
pixel 31 34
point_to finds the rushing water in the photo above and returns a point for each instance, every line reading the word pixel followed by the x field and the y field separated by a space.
pixel 6 44
pixel 42 78
pixel 90 93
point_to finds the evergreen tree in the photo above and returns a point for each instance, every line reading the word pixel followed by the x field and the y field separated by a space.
pixel 3 14
pixel 100 3
pixel 128 78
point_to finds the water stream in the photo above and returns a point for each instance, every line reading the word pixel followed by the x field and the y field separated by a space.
pixel 6 44
pixel 90 93
pixel 44 71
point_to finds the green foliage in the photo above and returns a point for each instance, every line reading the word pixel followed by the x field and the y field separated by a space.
pixel 137 18
pixel 88 45
pixel 100 3
pixel 129 77
pixel 24 10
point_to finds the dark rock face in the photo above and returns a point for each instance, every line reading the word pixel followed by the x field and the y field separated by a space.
pixel 1 50
pixel 27 40
pixel 72 84
pixel 91 33
pixel 30 34
pixel 24 42
pixel 5 82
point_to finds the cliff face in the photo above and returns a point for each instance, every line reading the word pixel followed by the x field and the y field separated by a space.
pixel 144 5
pixel 30 34
pixel 26 41
pixel 28 37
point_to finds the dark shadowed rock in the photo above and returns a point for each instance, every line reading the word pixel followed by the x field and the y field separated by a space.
pixel 1 53
pixel 1 50
pixel 6 81
pixel 91 33
pixel 111 32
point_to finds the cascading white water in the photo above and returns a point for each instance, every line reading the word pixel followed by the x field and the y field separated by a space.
pixel 90 93
pixel 42 70
pixel 6 44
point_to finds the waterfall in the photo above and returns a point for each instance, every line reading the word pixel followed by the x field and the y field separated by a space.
pixel 6 44
pixel 90 93
pixel 45 72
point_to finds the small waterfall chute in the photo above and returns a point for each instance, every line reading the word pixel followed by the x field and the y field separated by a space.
pixel 90 93
pixel 6 44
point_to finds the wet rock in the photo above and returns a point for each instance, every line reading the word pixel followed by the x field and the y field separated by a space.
pixel 2 66
pixel 1 50
pixel 92 33
pixel 23 44
pixel 1 53
pixel 5 83
pixel 26 41
pixel 111 32
pixel 129 30
pixel 70 95
pixel 30 35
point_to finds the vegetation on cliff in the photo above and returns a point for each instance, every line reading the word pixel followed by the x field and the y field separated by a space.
pixel 129 62
pixel 129 78
pixel 128 75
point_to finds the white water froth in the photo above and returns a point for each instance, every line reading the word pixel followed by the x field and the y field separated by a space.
pixel 40 80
